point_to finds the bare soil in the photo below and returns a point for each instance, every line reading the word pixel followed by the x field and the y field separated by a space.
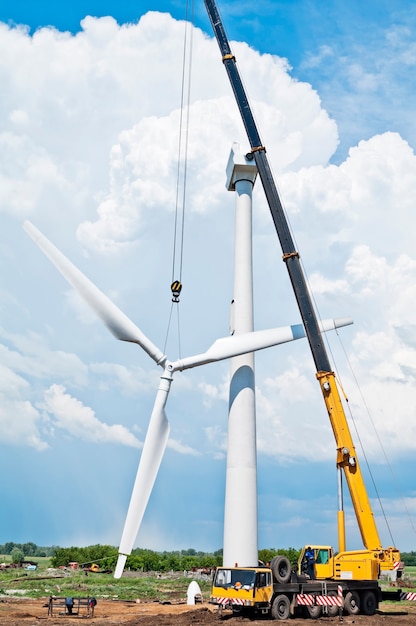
pixel 27 612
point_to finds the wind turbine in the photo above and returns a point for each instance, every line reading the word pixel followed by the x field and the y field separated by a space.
pixel 158 430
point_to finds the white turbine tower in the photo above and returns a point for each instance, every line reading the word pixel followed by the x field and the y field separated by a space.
pixel 240 510
pixel 158 430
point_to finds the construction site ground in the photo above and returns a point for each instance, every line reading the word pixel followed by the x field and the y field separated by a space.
pixel 27 612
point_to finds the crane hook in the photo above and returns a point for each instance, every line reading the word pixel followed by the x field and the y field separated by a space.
pixel 176 288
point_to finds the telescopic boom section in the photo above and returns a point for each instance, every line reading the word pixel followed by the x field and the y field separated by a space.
pixel 290 255
pixel 346 457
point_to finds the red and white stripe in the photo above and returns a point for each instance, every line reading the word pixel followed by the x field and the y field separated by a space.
pixel 308 599
pixel 225 601
pixel 408 595
pixel 329 601
pixel 305 599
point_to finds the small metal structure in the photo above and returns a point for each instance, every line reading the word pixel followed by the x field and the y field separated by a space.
pixel 81 607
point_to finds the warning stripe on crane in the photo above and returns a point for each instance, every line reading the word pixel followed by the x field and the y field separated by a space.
pixel 308 599
pixel 225 601
pixel 408 595
pixel 305 599
pixel 329 600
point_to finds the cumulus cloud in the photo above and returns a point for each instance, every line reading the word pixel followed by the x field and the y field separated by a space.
pixel 105 96
pixel 131 381
pixel 31 356
pixel 181 448
pixel 20 422
pixel 92 153
pixel 72 416
pixel 354 201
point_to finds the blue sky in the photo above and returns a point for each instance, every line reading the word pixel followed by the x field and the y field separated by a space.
pixel 89 123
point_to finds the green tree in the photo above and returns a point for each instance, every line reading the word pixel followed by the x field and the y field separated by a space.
pixel 63 556
pixel 29 549
pixel 266 554
pixel 135 562
pixel 189 552
pixel 409 558
pixel 8 547
pixel 84 556
pixel 17 555
pixel 188 562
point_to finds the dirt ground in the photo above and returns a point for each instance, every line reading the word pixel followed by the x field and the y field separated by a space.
pixel 24 612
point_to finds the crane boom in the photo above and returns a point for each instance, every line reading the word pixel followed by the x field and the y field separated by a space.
pixel 346 455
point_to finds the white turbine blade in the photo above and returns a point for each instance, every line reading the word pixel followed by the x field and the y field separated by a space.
pixel 115 320
pixel 234 345
pixel 150 460
pixel 338 322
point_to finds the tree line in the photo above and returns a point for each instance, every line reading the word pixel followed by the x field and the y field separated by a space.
pixel 139 560
pixel 409 558
pixel 142 559
pixel 27 549
pixel 150 561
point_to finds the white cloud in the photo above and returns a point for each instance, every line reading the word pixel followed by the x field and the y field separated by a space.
pixel 20 422
pixel 32 357
pixel 355 201
pixel 324 53
pixel 131 381
pixel 105 95
pixel 27 172
pixel 93 152
pixel 217 437
pixel 72 416
pixel 181 448
pixel 212 392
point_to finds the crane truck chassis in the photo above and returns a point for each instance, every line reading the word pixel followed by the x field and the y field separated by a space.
pixel 280 592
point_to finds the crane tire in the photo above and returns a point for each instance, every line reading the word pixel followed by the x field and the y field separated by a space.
pixel 281 607
pixel 352 603
pixel 333 610
pixel 368 603
pixel 281 569
pixel 314 611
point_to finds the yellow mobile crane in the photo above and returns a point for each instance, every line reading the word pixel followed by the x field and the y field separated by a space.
pixel 374 559
pixel 360 565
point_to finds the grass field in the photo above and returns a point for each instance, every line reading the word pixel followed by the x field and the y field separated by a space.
pixel 44 582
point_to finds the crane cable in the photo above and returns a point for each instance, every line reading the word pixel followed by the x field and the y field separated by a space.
pixel 182 165
pixel 395 481
pixel 358 438
pixel 326 340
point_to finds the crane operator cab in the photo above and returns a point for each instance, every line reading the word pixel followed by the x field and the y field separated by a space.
pixel 322 561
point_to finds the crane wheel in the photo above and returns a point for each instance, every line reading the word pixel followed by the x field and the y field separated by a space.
pixel 352 603
pixel 281 569
pixel 368 603
pixel 281 607
pixel 314 611
pixel 333 610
